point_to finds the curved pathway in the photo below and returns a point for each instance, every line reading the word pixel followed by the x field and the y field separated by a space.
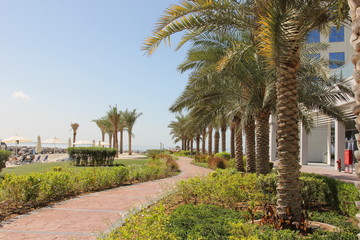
pixel 87 216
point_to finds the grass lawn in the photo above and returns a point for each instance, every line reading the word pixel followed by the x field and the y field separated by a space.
pixel 42 167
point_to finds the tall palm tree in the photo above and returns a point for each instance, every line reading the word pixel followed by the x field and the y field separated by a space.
pixel 113 117
pixel 74 127
pixel 130 118
pixel 279 29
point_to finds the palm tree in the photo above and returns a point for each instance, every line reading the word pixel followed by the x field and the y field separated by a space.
pixel 122 127
pixel 101 123
pixel 279 28
pixel 130 118
pixel 113 117
pixel 74 127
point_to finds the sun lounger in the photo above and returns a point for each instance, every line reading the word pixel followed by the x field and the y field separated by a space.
pixel 46 158
pixel 37 159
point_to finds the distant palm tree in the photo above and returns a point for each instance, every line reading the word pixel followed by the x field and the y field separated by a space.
pixel 101 123
pixel 130 118
pixel 113 117
pixel 122 127
pixel 74 127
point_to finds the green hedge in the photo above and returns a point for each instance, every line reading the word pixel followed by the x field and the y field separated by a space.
pixel 4 156
pixel 92 156
pixel 228 188
pixel 18 192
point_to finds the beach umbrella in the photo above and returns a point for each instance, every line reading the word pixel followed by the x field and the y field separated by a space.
pixel 104 144
pixel 38 147
pixel 69 143
pixel 83 142
pixel 16 139
pixel 54 141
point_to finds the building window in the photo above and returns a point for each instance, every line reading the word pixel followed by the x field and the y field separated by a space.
pixel 336 35
pixel 337 59
pixel 313 37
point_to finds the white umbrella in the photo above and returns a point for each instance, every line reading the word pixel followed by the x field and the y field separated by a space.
pixel 53 141
pixel 69 143
pixel 38 147
pixel 16 139
pixel 104 144
pixel 83 142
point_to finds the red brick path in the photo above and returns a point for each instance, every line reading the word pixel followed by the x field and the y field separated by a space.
pixel 88 216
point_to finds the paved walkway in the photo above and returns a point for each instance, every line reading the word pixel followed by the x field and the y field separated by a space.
pixel 88 216
pixel 329 171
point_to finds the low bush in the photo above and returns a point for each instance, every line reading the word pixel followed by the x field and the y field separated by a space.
pixel 335 219
pixel 229 188
pixel 33 189
pixel 223 155
pixel 92 156
pixel 4 156
pixel 202 158
pixel 202 222
pixel 148 224
pixel 184 153
pixel 217 162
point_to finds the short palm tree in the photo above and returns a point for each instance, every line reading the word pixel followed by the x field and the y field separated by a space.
pixel 74 128
pixel 101 123
pixel 130 118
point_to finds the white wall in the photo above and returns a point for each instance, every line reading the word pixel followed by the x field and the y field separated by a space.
pixel 317 144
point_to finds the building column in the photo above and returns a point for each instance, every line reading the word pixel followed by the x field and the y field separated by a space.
pixel 303 146
pixel 339 143
pixel 272 138
pixel 328 144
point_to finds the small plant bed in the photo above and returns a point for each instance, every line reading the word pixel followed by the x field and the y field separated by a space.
pixel 231 205
pixel 24 192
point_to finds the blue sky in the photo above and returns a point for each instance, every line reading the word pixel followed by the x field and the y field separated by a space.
pixel 67 61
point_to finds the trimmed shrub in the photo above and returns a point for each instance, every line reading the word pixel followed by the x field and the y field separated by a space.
pixel 149 224
pixel 217 162
pixel 202 158
pixel 223 155
pixel 92 156
pixel 4 156
pixel 202 222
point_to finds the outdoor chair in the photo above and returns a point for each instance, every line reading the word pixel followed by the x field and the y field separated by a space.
pixel 46 158
pixel 37 159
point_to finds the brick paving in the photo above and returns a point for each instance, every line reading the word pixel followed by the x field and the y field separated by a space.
pixel 329 171
pixel 86 217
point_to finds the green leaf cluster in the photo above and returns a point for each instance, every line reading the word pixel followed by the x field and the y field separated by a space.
pixel 4 156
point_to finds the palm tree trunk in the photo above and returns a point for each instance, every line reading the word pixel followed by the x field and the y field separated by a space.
pixel 250 146
pixel 217 141
pixel 116 146
pixel 103 136
pixel 223 137
pixel 130 150
pixel 203 149
pixel 74 138
pixel 239 147
pixel 288 188
pixel 197 144
pixel 183 143
pixel 210 141
pixel 121 142
pixel 262 142
pixel 110 140
pixel 232 140
pixel 191 145
pixel 355 39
